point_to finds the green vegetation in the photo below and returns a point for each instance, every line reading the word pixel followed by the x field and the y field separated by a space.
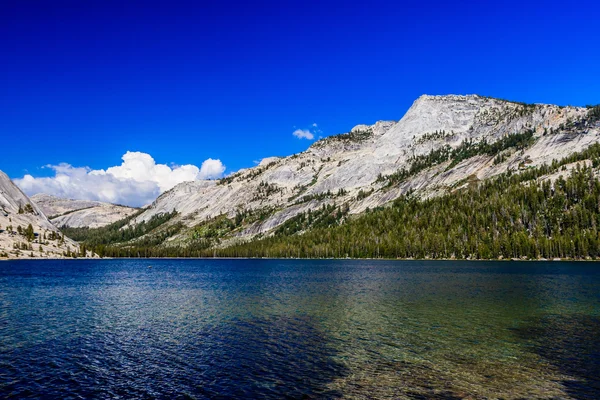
pixel 497 115
pixel 214 228
pixel 247 217
pixel 119 232
pixel 69 212
pixel 28 233
pixel 318 196
pixel 433 136
pixel 323 217
pixel 417 164
pixel 27 209
pixel 209 234
pixel 265 190
pixel 248 175
pixel 159 236
pixel 350 137
pixel 310 197
pixel 522 104
pixel 254 172
pixel 303 188
pixel 22 246
pixel 356 136
pixel 468 149
pixel 502 217
pixel 593 113
pixel 229 179
pixel 362 194
pixel 514 215
pixel 510 216
pixel 464 151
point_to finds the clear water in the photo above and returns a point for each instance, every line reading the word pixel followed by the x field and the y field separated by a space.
pixel 299 329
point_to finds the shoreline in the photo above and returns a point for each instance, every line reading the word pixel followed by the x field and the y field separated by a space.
pixel 289 259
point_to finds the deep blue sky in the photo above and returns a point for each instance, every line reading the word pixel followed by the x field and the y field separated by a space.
pixel 83 82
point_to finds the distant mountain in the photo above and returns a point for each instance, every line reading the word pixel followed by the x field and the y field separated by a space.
pixel 25 230
pixel 80 213
pixel 443 144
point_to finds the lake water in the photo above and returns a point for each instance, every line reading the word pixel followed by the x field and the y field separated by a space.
pixel 299 329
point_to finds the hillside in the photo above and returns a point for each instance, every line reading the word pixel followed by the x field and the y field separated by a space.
pixel 25 230
pixel 80 213
pixel 542 213
pixel 442 144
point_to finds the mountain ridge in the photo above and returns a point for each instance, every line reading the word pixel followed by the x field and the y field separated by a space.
pixel 353 167
pixel 81 213
pixel 442 145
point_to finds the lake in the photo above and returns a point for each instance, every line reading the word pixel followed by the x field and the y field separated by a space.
pixel 299 329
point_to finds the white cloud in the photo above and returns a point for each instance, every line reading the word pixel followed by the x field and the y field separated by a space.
pixel 211 169
pixel 136 182
pixel 303 134
pixel 308 133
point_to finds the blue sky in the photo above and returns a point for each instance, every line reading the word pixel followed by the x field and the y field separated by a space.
pixel 83 82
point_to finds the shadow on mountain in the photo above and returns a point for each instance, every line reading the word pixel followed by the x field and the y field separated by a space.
pixel 572 345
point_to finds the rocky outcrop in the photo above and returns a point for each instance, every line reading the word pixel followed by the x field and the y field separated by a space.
pixel 80 213
pixel 354 168
pixel 24 229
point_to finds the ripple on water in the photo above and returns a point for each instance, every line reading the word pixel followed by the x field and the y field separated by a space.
pixel 298 329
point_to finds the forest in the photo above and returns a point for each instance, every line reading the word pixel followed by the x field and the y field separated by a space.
pixel 514 215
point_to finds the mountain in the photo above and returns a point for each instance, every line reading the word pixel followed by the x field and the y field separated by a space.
pixel 80 213
pixel 442 144
pixel 17 213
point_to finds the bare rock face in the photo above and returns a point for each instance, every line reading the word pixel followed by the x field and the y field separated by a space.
pixel 80 213
pixel 17 213
pixel 351 169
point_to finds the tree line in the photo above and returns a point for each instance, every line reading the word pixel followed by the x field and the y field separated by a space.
pixel 514 215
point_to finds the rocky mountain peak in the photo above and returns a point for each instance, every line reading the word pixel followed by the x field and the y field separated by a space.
pixel 438 145
pixel 25 231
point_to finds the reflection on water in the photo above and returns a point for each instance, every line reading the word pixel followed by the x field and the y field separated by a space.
pixel 301 329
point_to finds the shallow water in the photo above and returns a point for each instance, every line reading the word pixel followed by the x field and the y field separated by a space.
pixel 299 329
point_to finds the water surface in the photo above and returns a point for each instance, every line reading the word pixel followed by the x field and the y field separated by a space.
pixel 299 329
